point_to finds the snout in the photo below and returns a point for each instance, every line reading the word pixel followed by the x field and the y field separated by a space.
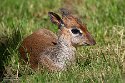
pixel 90 43
pixel 89 40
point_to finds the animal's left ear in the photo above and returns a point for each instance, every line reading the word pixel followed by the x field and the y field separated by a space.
pixel 65 12
pixel 55 18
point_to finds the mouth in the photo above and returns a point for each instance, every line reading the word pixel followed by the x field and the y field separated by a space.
pixel 80 45
pixel 86 44
pixel 89 44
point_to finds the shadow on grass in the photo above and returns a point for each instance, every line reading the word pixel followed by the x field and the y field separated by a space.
pixel 7 43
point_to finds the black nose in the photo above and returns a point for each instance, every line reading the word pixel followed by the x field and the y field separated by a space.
pixel 93 43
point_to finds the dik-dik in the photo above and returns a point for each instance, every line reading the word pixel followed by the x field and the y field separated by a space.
pixel 56 52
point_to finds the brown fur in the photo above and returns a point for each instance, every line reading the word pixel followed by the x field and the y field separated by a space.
pixel 70 20
pixel 36 43
pixel 53 52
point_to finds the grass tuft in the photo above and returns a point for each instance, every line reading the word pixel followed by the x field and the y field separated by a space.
pixel 102 63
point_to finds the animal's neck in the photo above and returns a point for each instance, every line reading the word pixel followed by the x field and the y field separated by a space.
pixel 61 54
pixel 65 52
pixel 64 41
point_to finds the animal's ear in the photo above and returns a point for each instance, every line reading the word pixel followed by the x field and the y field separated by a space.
pixel 65 12
pixel 55 18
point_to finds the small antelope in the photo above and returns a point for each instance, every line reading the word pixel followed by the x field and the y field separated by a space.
pixel 55 52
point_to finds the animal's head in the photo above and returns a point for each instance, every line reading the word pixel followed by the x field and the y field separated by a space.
pixel 70 25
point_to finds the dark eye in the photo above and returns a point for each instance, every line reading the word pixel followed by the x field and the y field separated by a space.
pixel 75 31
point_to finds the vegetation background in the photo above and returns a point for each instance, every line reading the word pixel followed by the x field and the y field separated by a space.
pixel 102 63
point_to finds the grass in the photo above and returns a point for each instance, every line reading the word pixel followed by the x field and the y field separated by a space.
pixel 102 63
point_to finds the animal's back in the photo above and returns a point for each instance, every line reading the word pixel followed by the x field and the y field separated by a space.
pixel 36 43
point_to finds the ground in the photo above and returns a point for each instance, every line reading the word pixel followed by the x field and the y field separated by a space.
pixel 102 63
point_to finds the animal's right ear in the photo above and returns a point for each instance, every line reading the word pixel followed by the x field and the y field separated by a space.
pixel 55 18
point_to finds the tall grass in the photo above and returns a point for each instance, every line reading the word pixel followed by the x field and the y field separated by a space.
pixel 102 63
